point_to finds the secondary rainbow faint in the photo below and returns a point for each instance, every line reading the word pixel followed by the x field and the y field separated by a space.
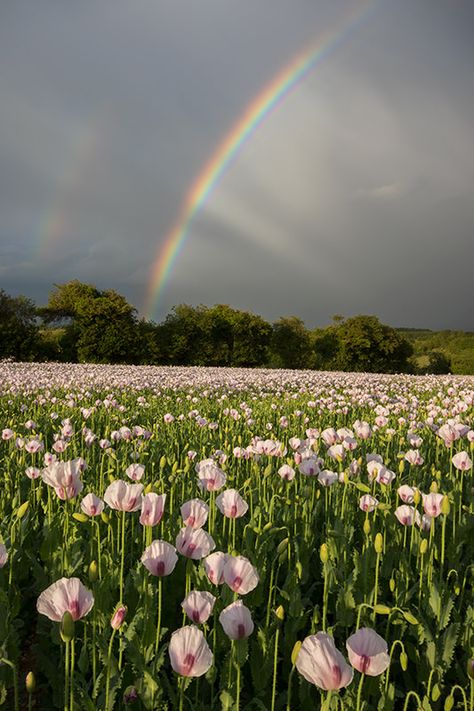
pixel 267 100
pixel 56 222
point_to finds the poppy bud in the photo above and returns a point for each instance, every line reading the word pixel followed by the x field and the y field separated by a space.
pixel 401 466
pixel 382 609
pixel 81 517
pixel 295 652
pixel 21 511
pixel 366 526
pixel 148 489
pixel 416 497
pixel 282 545
pixel 93 572
pixel 449 703
pixel 67 627
pixel 280 613
pixel 105 517
pixel 323 553
pixel 445 506
pixel 162 462
pixel 392 585
pixel 470 668
pixel 423 546
pixel 118 617
pixel 378 543
pixel 403 661
pixel 434 487
pixel 30 683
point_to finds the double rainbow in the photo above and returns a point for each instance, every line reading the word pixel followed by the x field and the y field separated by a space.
pixel 271 96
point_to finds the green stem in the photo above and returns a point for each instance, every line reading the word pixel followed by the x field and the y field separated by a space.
pixel 66 678
pixel 71 677
pixel 275 664
pixel 122 560
pixel 107 683
pixel 359 691
pixel 158 621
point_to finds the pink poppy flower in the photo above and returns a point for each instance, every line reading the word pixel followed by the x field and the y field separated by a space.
pixel 214 567
pixel 413 457
pixel 65 595
pixel 231 504
pixel 329 436
pixel 123 497
pixel 240 575
pixel 135 472
pixel 368 503
pixel 152 509
pixel 210 477
pixel 64 477
pixel 320 663
pixel 432 504
pixel 327 478
pixel 236 620
pixel 310 466
pixel 385 476
pixel 286 472
pixel 194 513
pixel 407 515
pixel 189 652
pixel 194 543
pixel 198 606
pixel 33 472
pixel 367 652
pixel 462 461
pixel 406 493
pixel 7 434
pixel 92 505
pixel 160 558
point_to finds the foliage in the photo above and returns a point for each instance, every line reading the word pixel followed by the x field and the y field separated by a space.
pixel 18 328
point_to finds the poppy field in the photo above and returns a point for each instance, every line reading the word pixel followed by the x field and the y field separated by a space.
pixel 211 538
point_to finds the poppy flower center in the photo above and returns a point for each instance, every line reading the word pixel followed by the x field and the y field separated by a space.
pixel 190 549
pixel 233 511
pixel 160 568
pixel 336 675
pixel 195 616
pixel 365 663
pixel 187 665
pixel 241 631
pixel 237 582
pixel 74 609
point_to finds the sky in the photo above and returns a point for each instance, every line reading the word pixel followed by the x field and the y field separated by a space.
pixel 353 195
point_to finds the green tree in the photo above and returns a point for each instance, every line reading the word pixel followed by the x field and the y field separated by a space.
pixel 291 344
pixel 366 344
pixel 18 329
pixel 99 326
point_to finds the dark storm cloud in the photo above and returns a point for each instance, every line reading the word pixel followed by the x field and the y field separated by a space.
pixel 355 195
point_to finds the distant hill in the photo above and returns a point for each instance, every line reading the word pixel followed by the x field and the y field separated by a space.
pixel 456 345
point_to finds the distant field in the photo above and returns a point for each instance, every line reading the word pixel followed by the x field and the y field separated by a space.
pixel 457 345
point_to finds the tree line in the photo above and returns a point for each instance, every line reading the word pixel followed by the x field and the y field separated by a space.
pixel 82 323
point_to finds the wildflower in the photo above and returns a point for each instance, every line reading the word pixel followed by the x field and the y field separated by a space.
pixel 367 652
pixel 65 595
pixel 160 558
pixel 198 605
pixel 236 621
pixel 189 652
pixel 322 664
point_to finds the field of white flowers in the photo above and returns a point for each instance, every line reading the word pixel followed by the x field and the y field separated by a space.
pixel 198 538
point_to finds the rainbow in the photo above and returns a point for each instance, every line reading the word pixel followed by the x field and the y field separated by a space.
pixel 271 96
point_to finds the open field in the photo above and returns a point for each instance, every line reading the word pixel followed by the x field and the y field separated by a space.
pixel 283 507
